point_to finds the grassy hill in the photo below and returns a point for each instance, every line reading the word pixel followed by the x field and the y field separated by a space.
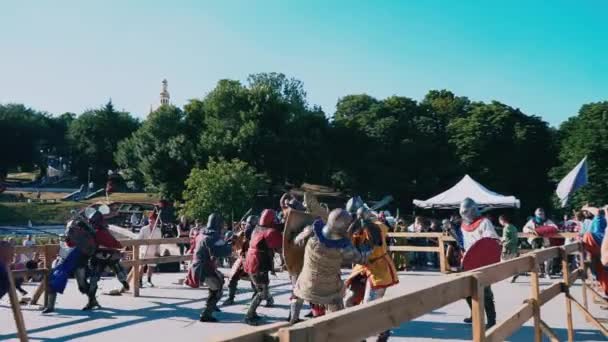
pixel 19 213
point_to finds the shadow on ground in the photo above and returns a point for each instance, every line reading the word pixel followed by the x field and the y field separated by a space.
pixel 462 331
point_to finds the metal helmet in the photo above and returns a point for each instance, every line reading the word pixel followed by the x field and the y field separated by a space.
pixel 354 204
pixel 469 210
pixel 296 205
pixel 337 225
pixel 268 218
pixel 540 214
pixel 215 222
pixel 364 214
pixel 252 219
pixel 96 218
pixel 285 199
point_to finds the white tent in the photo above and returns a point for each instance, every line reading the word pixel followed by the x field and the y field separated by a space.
pixel 468 187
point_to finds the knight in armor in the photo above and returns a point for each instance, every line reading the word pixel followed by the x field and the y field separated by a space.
pixel 93 250
pixel 540 220
pixel 327 247
pixel 474 228
pixel 369 281
pixel 266 238
pixel 209 246
pixel 238 271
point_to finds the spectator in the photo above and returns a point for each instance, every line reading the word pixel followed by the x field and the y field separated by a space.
pixel 183 230
pixel 587 221
pixel 134 219
pixel 6 257
pixel 510 241
pixel 25 257
pixel 148 232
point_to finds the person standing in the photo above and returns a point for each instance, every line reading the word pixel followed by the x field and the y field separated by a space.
pixel 183 231
pixel 149 232
pixel 25 257
pixel 266 238
pixel 237 272
pixel 327 246
pixel 209 246
pixel 474 228
pixel 540 220
pixel 510 241
pixel 592 242
pixel 379 272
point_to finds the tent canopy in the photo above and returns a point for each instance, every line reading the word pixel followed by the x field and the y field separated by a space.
pixel 468 187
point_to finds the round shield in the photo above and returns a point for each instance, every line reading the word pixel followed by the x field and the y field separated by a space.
pixel 546 231
pixel 482 253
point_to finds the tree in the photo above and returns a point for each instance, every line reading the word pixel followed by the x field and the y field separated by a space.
pixel 586 135
pixel 266 123
pixel 94 137
pixel 226 187
pixel 159 153
pixel 507 150
pixel 21 133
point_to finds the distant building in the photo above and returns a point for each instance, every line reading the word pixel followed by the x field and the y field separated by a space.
pixel 165 98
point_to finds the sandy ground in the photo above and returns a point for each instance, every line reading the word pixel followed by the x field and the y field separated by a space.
pixel 169 312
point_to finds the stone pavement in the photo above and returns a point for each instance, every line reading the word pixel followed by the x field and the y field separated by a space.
pixel 169 313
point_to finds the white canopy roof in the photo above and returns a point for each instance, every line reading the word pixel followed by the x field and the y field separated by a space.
pixel 468 187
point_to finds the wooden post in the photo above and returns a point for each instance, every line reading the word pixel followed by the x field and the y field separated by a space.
pixel 566 276
pixel 48 265
pixel 49 252
pixel 136 271
pixel 534 267
pixel 478 311
pixel 16 307
pixel 442 260
pixel 585 277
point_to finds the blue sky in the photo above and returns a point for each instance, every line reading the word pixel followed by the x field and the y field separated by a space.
pixel 546 58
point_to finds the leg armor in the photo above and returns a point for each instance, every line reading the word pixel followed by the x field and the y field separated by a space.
pixel 51 299
pixel 215 284
pixel 120 274
pixel 294 310
pixel 489 307
pixel 81 278
pixel 261 282
pixel 96 270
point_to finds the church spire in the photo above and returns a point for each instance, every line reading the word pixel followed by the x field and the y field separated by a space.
pixel 164 94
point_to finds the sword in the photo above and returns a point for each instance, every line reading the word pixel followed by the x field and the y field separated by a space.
pixel 246 213
pixel 384 201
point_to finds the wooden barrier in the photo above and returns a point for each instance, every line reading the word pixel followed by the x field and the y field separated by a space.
pixel 47 253
pixel 386 313
pixel 443 238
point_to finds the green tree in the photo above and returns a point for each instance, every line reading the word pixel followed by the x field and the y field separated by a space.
pixel 507 150
pixel 226 187
pixel 266 123
pixel 21 137
pixel 586 135
pixel 159 153
pixel 94 137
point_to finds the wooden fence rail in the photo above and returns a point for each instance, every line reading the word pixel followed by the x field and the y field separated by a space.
pixel 362 321
pixel 442 239
pixel 387 313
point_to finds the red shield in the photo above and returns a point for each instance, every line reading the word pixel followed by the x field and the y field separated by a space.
pixel 546 231
pixel 482 253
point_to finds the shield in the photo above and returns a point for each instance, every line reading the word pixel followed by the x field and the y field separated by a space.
pixel 546 231
pixel 314 207
pixel 294 224
pixel 482 253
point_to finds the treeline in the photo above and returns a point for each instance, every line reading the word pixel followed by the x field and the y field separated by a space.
pixel 399 146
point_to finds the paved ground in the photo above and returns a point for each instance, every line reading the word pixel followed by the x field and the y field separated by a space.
pixel 169 313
